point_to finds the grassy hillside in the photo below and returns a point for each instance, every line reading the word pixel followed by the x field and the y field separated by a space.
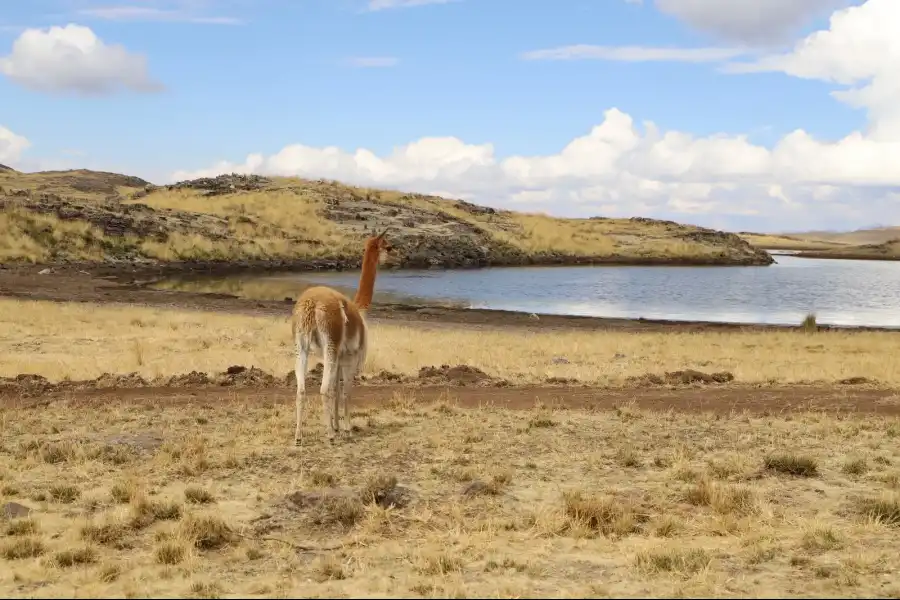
pixel 889 250
pixel 93 216
pixel 774 241
pixel 870 244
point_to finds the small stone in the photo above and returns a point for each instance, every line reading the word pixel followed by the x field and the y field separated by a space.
pixel 14 510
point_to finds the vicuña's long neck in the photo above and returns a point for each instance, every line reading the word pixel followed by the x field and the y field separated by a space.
pixel 367 279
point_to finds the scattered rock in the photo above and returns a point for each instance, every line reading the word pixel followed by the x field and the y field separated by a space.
pixel 129 380
pixel 386 493
pixel 645 380
pixel 46 271
pixel 14 510
pixel 385 377
pixel 477 487
pixel 855 380
pixel 560 380
pixel 192 379
pixel 223 184
pixel 25 385
pixel 686 376
pixel 456 375
pixel 303 499
pixel 693 376
pixel 559 360
pixel 240 376
pixel 140 441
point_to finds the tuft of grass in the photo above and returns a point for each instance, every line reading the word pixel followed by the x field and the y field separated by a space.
pixel 26 526
pixel 855 466
pixel 111 533
pixel 109 573
pixel 629 458
pixel 22 547
pixel 673 560
pixel 541 422
pixel 440 563
pixel 72 557
pixel 207 532
pixel 322 479
pixel 821 538
pixel 884 509
pixel 342 510
pixel 792 464
pixel 56 453
pixel 170 553
pixel 122 493
pixel 198 495
pixel 329 568
pixel 64 493
pixel 146 512
pixel 606 515
pixel 203 589
pixel 722 498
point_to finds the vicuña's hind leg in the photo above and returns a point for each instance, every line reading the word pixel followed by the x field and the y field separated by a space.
pixel 300 373
pixel 348 370
pixel 328 392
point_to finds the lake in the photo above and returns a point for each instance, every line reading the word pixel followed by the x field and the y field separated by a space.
pixel 839 292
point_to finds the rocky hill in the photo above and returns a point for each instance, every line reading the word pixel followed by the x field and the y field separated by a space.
pixel 76 216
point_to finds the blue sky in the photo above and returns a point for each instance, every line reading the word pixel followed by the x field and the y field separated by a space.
pixel 225 79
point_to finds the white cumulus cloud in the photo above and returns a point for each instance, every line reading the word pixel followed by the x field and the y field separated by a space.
pixel 751 21
pixel 73 59
pixel 622 168
pixel 11 146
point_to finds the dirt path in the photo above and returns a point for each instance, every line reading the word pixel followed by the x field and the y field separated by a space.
pixel 722 400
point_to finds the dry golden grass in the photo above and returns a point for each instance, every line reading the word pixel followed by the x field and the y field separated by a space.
pixel 38 238
pixel 258 222
pixel 695 513
pixel 81 341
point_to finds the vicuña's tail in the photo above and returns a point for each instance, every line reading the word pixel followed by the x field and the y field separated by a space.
pixel 304 319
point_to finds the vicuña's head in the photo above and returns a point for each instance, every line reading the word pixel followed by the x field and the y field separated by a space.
pixel 379 245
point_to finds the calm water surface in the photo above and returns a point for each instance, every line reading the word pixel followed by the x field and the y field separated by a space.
pixel 840 292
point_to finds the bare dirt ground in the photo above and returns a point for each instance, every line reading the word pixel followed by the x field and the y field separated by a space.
pixel 146 450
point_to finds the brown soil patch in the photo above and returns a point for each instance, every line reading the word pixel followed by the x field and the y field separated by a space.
pixel 717 399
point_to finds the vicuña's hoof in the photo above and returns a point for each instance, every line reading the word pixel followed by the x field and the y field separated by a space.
pixel 297 442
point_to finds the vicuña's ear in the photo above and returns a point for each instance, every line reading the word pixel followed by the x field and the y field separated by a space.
pixel 381 235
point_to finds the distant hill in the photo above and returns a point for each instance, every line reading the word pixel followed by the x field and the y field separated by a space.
pixel 879 243
pixel 96 216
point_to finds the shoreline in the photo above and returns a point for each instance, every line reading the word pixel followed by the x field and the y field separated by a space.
pixel 107 285
pixel 843 256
